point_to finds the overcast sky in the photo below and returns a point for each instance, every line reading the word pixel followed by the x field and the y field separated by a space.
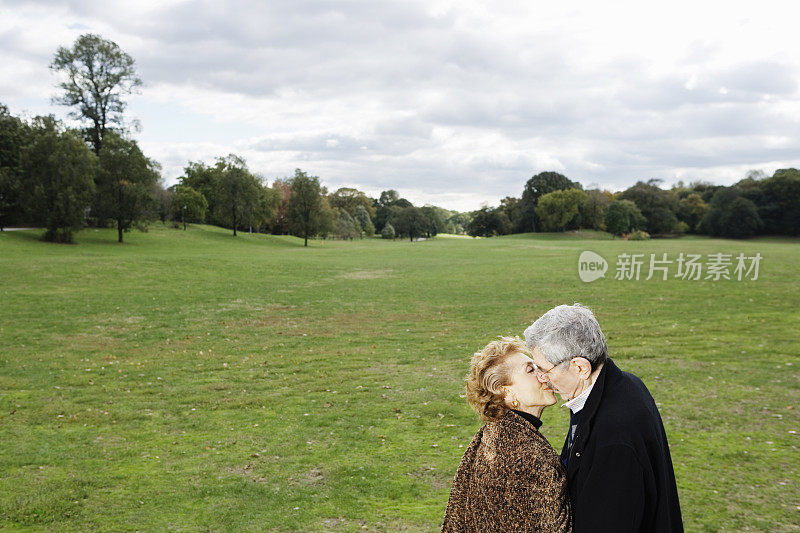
pixel 451 103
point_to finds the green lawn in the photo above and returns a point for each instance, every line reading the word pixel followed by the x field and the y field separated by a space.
pixel 197 381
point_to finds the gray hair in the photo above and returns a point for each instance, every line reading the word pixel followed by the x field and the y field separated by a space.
pixel 568 331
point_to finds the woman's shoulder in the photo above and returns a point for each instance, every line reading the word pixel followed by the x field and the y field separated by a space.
pixel 515 437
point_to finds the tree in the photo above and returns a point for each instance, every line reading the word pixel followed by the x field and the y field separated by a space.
pixel 559 210
pixel 691 210
pixel 388 231
pixel 268 203
pixel 486 222
pixel 348 199
pixel 657 205
pixel 345 226
pixel 435 221
pixel 510 206
pixel 97 73
pixel 307 211
pixel 124 180
pixel 9 195
pixel 593 210
pixel 742 219
pixel 205 180
pixel 58 171
pixel 388 207
pixel 188 204
pixel 14 135
pixel 731 215
pixel 283 191
pixel 623 216
pixel 782 193
pixel 536 187
pixel 364 221
pixel 238 193
pixel 410 222
pixel 460 222
pixel 163 197
pixel 388 198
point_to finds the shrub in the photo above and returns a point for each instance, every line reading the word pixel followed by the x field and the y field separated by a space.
pixel 638 235
pixel 388 231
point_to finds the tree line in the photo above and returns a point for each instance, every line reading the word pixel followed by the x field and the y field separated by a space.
pixel 756 205
pixel 96 175
pixel 51 176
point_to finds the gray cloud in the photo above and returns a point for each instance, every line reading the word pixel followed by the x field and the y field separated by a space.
pixel 402 95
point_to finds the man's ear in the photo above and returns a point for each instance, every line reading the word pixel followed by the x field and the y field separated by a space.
pixel 583 366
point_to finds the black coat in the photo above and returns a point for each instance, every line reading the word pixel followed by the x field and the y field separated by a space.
pixel 619 470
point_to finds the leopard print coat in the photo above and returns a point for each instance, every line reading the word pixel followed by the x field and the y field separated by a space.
pixel 510 479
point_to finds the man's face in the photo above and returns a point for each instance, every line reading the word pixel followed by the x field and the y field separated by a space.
pixel 562 378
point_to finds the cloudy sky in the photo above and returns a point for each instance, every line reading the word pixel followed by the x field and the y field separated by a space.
pixel 453 103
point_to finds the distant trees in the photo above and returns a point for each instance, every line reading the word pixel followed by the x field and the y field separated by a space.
pixel 388 231
pixel 14 135
pixel 205 180
pixel 435 221
pixel 96 74
pixel 162 201
pixel 349 199
pixel 536 187
pixel 487 222
pixel 125 179
pixel 781 202
pixel 410 222
pixel 362 218
pixel 238 193
pixel 656 204
pixel 691 210
pixel 560 210
pixel 280 223
pixel 731 215
pixel 308 212
pixel 355 210
pixel 345 227
pixel 387 206
pixel 188 205
pixel 623 216
pixel 58 171
pixel 47 178
pixel 593 209
pixel 459 222
pixel 236 198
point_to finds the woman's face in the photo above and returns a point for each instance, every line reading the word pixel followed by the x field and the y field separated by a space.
pixel 525 385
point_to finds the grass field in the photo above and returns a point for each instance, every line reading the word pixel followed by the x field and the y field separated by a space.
pixel 197 381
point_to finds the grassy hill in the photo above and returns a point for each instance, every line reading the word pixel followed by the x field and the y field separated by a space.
pixel 193 380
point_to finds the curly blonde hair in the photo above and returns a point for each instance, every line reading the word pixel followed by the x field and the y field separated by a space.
pixel 488 374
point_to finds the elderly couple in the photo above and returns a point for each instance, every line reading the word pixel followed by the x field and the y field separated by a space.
pixel 615 471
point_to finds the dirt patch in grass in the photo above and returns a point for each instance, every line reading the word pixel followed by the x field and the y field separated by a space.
pixel 312 477
pixel 89 343
pixel 118 324
pixel 243 305
pixel 430 475
pixel 367 274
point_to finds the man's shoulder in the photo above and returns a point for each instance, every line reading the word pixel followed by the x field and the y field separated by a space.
pixel 627 408
pixel 624 389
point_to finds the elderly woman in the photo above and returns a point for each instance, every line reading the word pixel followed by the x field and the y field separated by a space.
pixel 510 478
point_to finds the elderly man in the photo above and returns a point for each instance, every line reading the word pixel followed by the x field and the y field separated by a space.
pixel 619 468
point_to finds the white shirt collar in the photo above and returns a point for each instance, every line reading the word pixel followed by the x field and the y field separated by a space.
pixel 577 403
